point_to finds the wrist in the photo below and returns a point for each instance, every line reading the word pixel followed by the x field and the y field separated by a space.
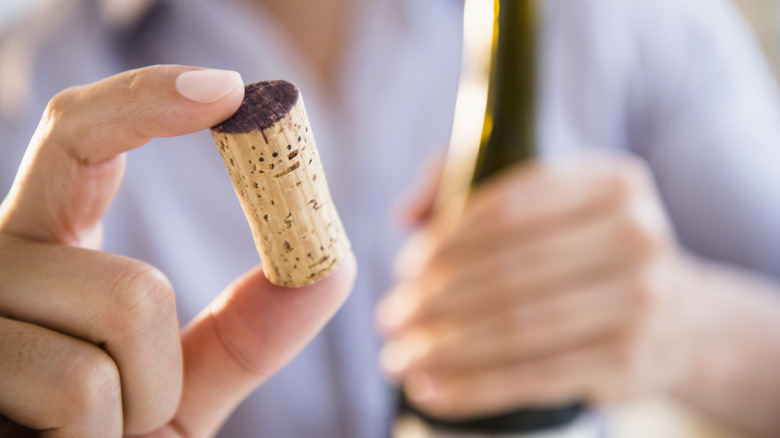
pixel 700 313
pixel 732 320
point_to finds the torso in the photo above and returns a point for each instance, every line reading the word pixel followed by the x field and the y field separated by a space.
pixel 181 215
pixel 319 29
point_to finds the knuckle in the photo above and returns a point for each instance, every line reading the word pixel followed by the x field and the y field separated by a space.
pixel 56 117
pixel 493 269
pixel 143 295
pixel 633 170
pixel 638 237
pixel 505 293
pixel 627 177
pixel 441 406
pixel 556 388
pixel 136 81
pixel 133 100
pixel 497 279
pixel 550 372
pixel 641 292
pixel 620 187
pixel 626 354
pixel 93 383
pixel 515 323
pixel 500 207
pixel 60 104
pixel 63 124
pixel 138 78
pixel 247 362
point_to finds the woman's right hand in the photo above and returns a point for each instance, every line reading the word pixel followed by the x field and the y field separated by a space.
pixel 89 341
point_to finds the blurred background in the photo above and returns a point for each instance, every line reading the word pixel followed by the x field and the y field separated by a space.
pixel 764 15
pixel 11 9
pixel 639 420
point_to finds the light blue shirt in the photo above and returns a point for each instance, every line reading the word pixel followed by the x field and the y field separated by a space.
pixel 679 82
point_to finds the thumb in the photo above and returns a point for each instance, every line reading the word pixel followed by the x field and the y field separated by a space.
pixel 246 335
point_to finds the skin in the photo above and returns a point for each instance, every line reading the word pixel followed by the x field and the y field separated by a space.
pixel 565 282
pixel 80 326
pixel 639 317
pixel 91 345
pixel 319 29
pixel 642 316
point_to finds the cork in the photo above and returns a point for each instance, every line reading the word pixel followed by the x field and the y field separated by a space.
pixel 271 156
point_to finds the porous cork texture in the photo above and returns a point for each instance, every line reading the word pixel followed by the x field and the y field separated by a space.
pixel 272 159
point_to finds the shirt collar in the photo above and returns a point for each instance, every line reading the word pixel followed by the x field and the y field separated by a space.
pixel 125 14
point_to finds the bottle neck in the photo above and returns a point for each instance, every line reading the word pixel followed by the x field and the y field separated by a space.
pixel 509 133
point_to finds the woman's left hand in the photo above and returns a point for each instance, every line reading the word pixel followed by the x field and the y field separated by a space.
pixel 557 284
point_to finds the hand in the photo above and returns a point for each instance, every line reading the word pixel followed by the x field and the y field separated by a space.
pixel 554 286
pixel 90 341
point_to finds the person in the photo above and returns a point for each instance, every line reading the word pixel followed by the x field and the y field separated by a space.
pixel 648 267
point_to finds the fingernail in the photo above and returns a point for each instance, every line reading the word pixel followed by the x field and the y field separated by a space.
pixel 395 310
pixel 206 86
pixel 419 387
pixel 412 258
pixel 399 356
pixel 394 358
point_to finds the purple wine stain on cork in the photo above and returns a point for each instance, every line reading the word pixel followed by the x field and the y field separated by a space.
pixel 265 103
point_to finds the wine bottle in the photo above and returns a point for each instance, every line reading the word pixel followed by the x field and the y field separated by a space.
pixel 508 137
pixel 509 134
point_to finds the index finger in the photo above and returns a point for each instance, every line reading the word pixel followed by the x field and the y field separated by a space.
pixel 532 201
pixel 70 171
pixel 523 203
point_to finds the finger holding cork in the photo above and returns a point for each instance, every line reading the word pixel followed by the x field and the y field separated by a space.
pixel 272 159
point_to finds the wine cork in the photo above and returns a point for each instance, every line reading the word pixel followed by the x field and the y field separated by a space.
pixel 272 159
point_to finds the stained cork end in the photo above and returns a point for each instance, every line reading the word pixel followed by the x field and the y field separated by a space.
pixel 273 162
pixel 265 103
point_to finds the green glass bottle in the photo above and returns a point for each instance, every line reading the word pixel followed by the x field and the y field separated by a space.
pixel 509 138
pixel 509 134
